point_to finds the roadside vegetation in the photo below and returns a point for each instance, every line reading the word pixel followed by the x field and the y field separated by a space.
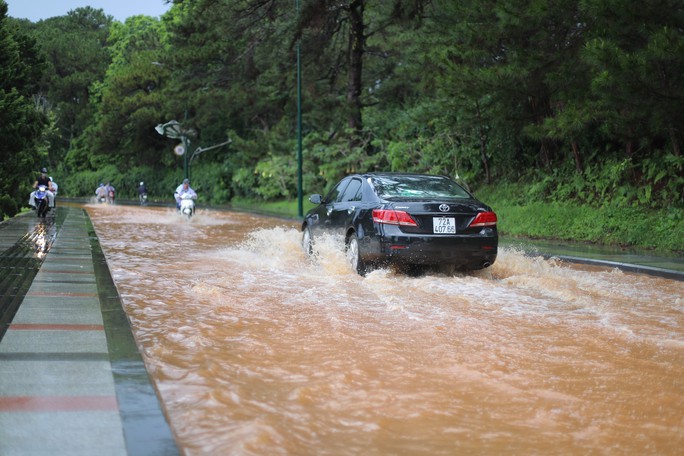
pixel 566 117
pixel 522 216
pixel 660 230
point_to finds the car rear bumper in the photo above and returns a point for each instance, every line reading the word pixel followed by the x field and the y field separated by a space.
pixel 469 251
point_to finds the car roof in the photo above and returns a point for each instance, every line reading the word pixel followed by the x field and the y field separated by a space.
pixel 391 174
pixel 381 175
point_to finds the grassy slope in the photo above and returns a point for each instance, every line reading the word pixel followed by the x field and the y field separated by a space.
pixel 661 229
pixel 656 229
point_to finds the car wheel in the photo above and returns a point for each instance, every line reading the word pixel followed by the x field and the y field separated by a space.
pixel 307 241
pixel 354 256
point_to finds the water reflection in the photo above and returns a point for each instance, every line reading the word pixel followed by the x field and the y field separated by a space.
pixel 257 350
pixel 42 236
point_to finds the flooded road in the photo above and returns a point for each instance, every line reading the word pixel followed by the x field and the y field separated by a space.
pixel 256 350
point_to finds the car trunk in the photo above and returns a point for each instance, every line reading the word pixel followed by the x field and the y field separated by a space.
pixel 441 217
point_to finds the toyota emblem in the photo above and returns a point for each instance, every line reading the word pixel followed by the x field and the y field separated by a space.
pixel 444 207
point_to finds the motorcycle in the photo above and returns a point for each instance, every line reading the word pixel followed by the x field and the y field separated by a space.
pixel 41 201
pixel 187 206
pixel 143 199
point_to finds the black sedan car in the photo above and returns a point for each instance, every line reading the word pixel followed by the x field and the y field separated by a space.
pixel 404 219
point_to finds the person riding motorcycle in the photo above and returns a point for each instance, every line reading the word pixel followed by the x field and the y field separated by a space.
pixel 111 193
pixel 43 180
pixel 184 189
pixel 142 193
pixel 101 193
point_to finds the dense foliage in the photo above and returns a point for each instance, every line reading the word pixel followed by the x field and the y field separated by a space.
pixel 22 117
pixel 581 100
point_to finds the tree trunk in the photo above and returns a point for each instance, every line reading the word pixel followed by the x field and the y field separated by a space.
pixel 356 50
pixel 675 143
pixel 629 149
pixel 483 144
pixel 578 158
pixel 546 156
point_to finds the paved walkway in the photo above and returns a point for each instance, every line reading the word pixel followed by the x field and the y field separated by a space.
pixel 71 378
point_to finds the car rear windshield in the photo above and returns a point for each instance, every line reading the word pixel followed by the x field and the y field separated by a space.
pixel 418 187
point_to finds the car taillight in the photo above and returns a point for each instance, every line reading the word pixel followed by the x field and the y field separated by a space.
pixel 391 217
pixel 483 219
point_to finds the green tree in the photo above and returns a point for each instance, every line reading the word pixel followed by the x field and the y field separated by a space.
pixel 128 101
pixel 77 52
pixel 581 97
pixel 21 118
pixel 636 53
pixel 507 67
pixel 232 75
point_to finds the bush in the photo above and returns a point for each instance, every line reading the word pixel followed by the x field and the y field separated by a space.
pixel 8 207
pixel 657 229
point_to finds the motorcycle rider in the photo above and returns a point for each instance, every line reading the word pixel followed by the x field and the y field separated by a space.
pixel 182 190
pixel 101 192
pixel 43 180
pixel 142 192
pixel 111 191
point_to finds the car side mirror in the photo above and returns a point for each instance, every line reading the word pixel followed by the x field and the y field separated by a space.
pixel 316 198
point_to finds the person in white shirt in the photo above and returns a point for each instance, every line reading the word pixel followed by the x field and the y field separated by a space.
pixel 182 190
pixel 101 193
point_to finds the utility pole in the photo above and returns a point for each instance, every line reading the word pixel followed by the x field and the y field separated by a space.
pixel 300 195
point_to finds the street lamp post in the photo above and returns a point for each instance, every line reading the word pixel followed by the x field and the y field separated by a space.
pixel 173 129
pixel 199 150
pixel 186 145
pixel 300 205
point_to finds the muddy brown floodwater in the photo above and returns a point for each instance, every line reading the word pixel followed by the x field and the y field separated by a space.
pixel 256 350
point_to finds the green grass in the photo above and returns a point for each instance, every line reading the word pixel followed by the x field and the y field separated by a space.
pixel 652 229
pixel 285 208
pixel 661 229
pixel 626 227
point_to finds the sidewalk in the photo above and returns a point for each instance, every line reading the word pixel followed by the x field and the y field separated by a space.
pixel 71 378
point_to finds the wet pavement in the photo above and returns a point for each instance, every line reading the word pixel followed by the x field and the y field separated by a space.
pixel 71 378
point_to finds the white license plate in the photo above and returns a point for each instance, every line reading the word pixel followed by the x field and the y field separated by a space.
pixel 444 225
